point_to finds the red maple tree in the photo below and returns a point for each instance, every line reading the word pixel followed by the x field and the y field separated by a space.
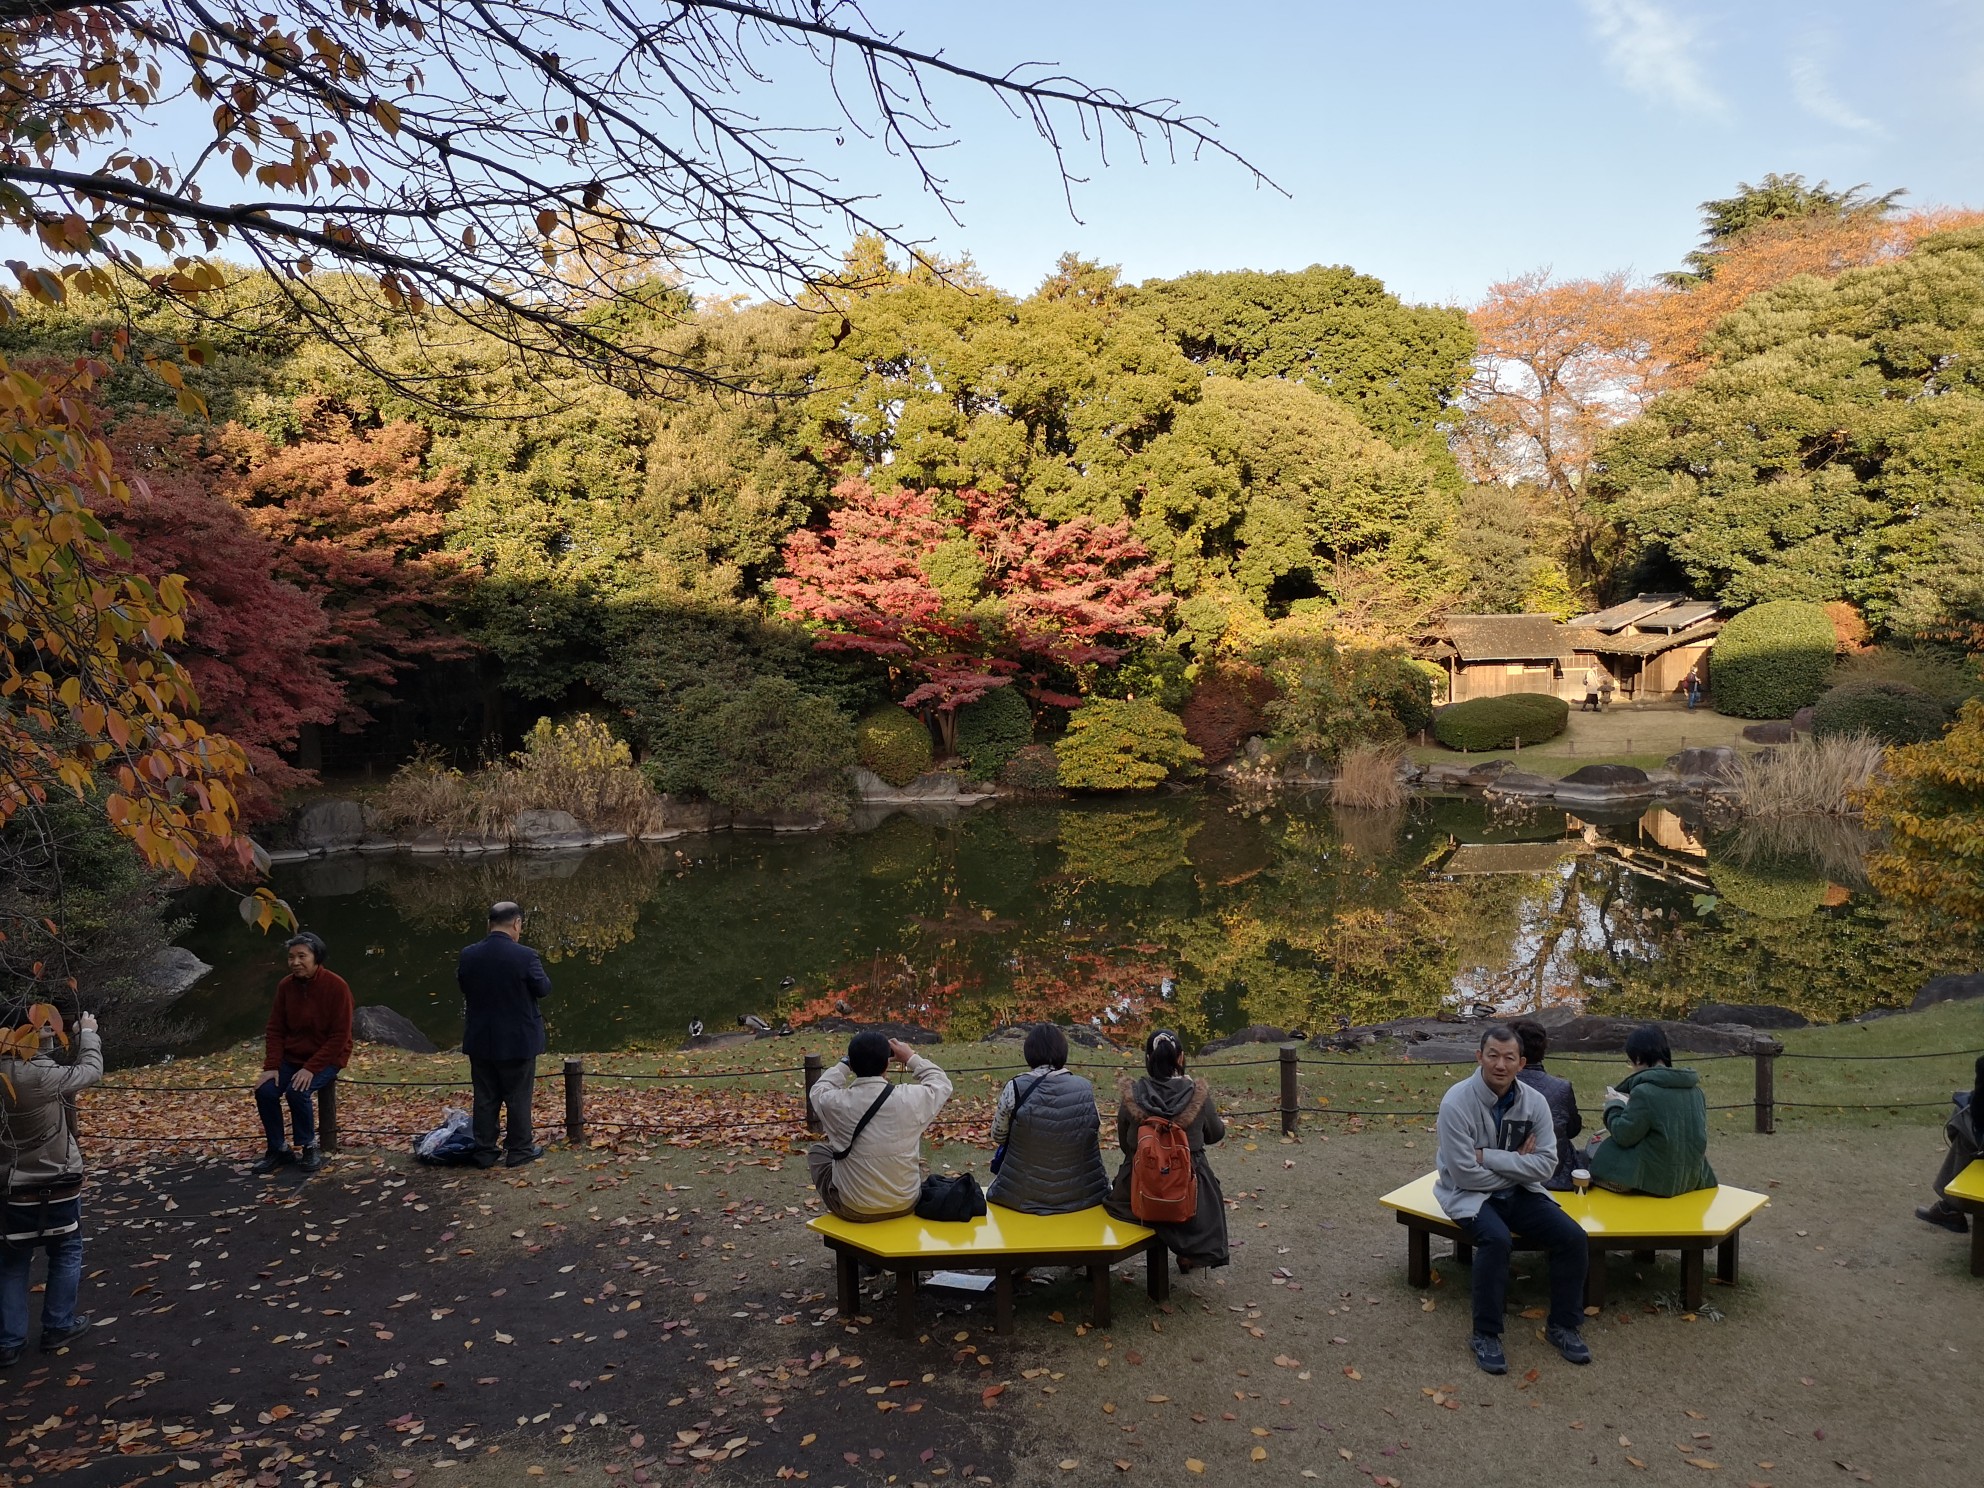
pixel 253 641
pixel 975 596
pixel 358 525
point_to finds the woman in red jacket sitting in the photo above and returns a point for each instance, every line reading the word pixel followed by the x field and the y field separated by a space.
pixel 307 1042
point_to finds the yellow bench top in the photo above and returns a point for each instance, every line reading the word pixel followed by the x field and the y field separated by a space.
pixel 998 1231
pixel 1969 1184
pixel 1712 1213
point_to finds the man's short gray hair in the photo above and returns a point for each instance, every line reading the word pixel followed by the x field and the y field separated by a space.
pixel 1499 1033
pixel 505 913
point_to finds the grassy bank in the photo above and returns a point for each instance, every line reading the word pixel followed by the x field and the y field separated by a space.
pixel 1646 737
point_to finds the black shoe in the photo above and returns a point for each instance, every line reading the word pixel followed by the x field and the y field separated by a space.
pixel 50 1342
pixel 313 1158
pixel 1488 1354
pixel 518 1159
pixel 1943 1218
pixel 1570 1343
pixel 9 1358
pixel 275 1157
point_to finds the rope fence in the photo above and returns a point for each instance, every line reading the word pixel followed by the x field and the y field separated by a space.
pixel 573 1075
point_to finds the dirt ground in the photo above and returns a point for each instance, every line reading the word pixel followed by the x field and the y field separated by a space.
pixel 663 1317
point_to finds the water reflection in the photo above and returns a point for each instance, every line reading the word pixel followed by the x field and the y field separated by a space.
pixel 1189 910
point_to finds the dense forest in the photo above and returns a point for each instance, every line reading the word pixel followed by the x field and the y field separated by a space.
pixel 913 486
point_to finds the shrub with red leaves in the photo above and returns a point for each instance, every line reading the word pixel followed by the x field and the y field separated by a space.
pixel 1225 708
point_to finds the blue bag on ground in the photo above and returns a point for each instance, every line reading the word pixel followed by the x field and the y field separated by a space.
pixel 450 1143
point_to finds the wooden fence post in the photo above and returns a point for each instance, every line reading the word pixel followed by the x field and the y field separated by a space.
pixel 1766 1090
pixel 327 1117
pixel 575 1101
pixel 812 1079
pixel 1291 1100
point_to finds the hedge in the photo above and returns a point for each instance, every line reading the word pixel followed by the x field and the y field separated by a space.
pixel 1498 722
pixel 993 730
pixel 1772 659
pixel 1892 712
pixel 893 743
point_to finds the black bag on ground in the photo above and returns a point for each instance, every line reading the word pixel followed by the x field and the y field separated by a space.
pixel 949 1199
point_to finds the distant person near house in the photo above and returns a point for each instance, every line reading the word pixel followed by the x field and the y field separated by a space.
pixel 1694 685
pixel 1590 703
pixel 502 982
pixel 307 1041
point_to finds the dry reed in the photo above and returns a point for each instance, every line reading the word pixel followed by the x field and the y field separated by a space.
pixel 1368 775
pixel 1809 777
pixel 576 767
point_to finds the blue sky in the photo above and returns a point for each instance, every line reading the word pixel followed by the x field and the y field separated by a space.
pixel 1442 146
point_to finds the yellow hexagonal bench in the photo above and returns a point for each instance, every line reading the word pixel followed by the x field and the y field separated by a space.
pixel 1003 1241
pixel 1641 1223
pixel 1966 1191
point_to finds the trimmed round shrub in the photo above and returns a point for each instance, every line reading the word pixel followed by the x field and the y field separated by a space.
pixel 1772 659
pixel 1498 722
pixel 1034 768
pixel 992 730
pixel 1892 712
pixel 1226 708
pixel 893 743
pixel 1128 745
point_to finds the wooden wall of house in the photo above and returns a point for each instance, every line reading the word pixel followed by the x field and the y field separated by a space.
pixel 1496 679
pixel 1666 676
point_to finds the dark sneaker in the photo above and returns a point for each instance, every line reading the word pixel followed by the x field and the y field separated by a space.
pixel 313 1158
pixel 50 1342
pixel 518 1159
pixel 1943 1219
pixel 1488 1354
pixel 275 1157
pixel 9 1358
pixel 1570 1343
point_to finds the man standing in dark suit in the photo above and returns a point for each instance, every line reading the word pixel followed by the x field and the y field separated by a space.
pixel 502 983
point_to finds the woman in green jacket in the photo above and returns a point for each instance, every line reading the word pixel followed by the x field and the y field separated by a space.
pixel 1656 1125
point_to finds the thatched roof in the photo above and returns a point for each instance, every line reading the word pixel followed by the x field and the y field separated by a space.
pixel 1507 638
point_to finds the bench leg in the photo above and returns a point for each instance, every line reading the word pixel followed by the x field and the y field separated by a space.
pixel 1463 1252
pixel 1418 1257
pixel 1726 1255
pixel 1002 1302
pixel 1977 1243
pixel 1691 1278
pixel 1157 1271
pixel 906 1301
pixel 847 1284
pixel 1098 1292
pixel 1594 1278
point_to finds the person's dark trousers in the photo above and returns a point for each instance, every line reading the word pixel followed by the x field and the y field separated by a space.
pixel 1537 1220
pixel 302 1105
pixel 505 1083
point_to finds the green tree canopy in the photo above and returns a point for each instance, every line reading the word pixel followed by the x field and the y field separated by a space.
pixel 1837 451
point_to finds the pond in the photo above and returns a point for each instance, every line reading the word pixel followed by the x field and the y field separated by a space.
pixel 1189 911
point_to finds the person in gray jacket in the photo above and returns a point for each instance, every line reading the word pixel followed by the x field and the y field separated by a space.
pixel 1497 1149
pixel 42 1168
pixel 1048 1121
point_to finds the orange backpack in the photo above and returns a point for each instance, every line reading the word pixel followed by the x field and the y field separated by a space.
pixel 1163 1187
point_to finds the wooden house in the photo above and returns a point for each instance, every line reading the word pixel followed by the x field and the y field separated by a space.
pixel 1494 655
pixel 1645 647
pixel 1650 643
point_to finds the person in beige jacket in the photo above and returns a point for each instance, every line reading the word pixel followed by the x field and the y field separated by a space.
pixel 42 1167
pixel 871 1164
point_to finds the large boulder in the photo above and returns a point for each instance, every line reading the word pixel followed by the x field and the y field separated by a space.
pixel 1717 762
pixel 550 829
pixel 1594 1035
pixel 934 785
pixel 1779 732
pixel 1081 1035
pixel 1957 988
pixel 172 972
pixel 1612 775
pixel 375 1024
pixel 1749 1014
pixel 1801 721
pixel 1259 1033
pixel 329 824
pixel 1522 783
pixel 909 1033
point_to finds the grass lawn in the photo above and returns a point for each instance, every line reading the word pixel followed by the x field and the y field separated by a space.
pixel 1646 737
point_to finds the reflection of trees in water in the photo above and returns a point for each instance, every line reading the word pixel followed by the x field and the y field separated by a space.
pixel 1129 848
pixel 1588 912
pixel 1828 847
pixel 578 905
